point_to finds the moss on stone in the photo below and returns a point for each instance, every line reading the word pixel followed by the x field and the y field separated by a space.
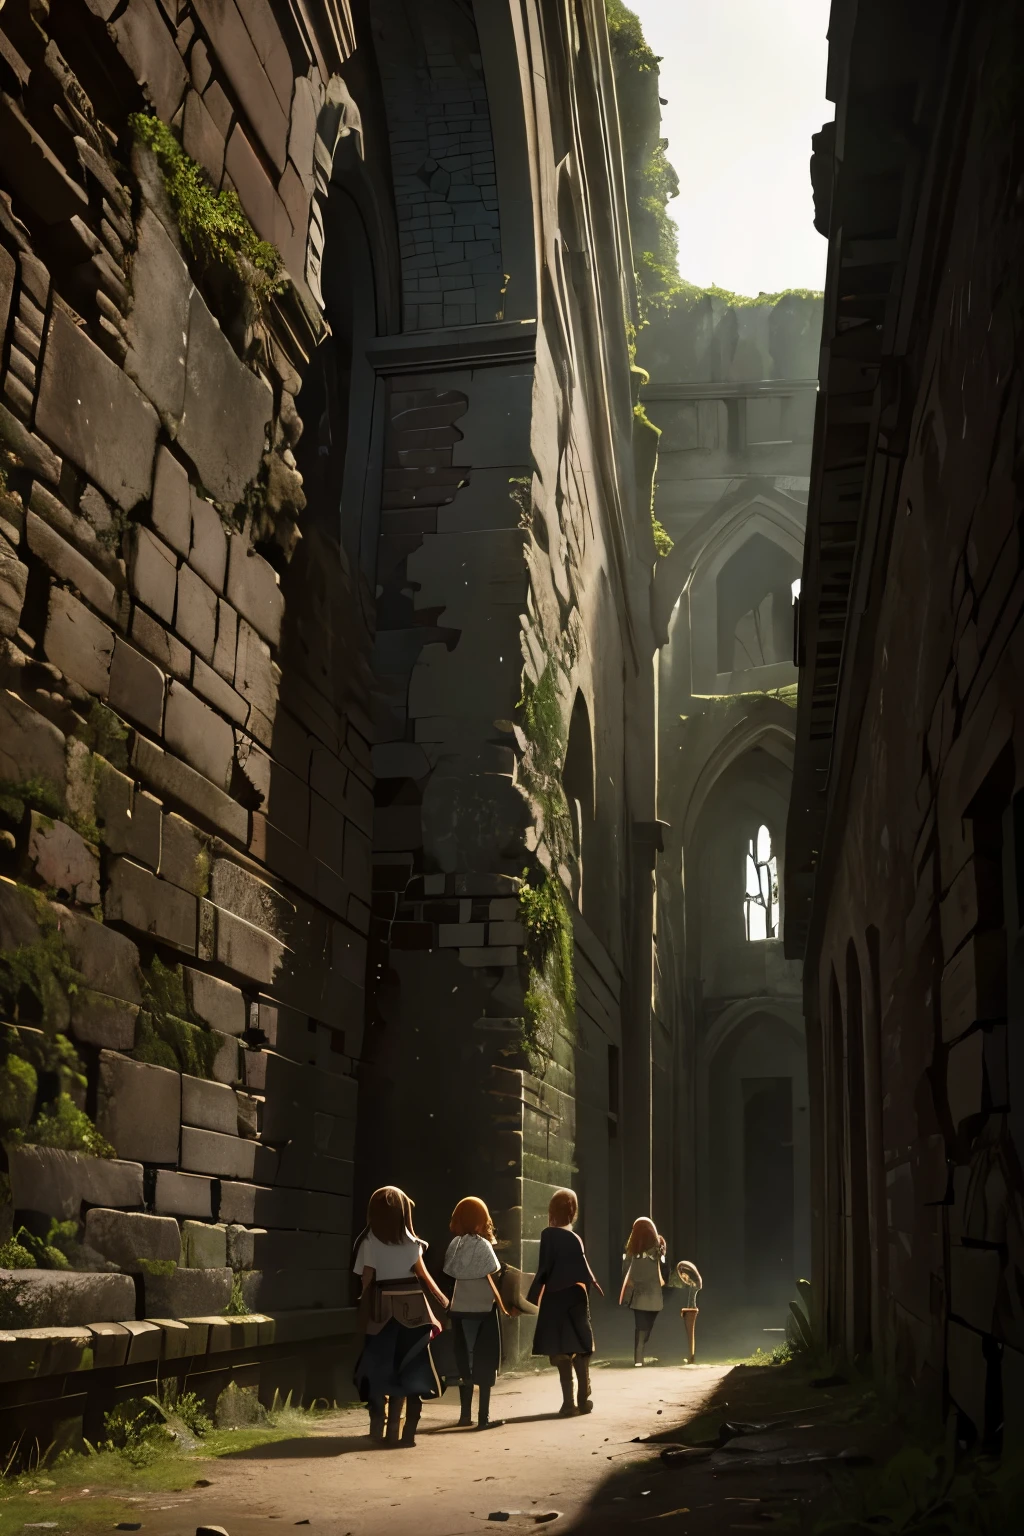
pixel 14 1255
pixel 161 1269
pixel 106 734
pixel 19 1085
pixel 213 224
pixel 37 979
pixel 62 1125
pixel 167 1034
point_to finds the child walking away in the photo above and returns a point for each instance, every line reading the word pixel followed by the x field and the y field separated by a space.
pixel 642 1286
pixel 688 1276
pixel 472 1263
pixel 395 1311
pixel 563 1331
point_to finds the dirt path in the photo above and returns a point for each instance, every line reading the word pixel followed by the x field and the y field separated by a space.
pixel 453 1479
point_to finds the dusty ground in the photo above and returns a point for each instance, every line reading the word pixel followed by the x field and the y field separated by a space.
pixel 591 1471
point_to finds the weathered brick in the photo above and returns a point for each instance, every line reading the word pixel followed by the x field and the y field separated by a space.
pixel 227 640
pixel 216 1002
pixel 128 1237
pixel 129 822
pixel 195 617
pixel 171 507
pixel 234 47
pixel 136 688
pixel 157 340
pixel 63 860
pixel 148 48
pixel 201 137
pixel 254 590
pixel 152 573
pixel 139 1109
pixel 182 1194
pixel 205 1245
pixel 209 1106
pixel 92 412
pixel 227 408
pixel 57 1183
pixel 226 1157
pixel 102 1021
pixel 201 737
pixel 208 554
pixel 78 643
pixel 141 900
pixel 212 687
pixel 107 960
pixel 165 649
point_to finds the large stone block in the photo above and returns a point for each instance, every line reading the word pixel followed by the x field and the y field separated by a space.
pixel 139 1108
pixel 202 138
pixel 69 564
pixel 143 901
pixel 208 1106
pixel 131 1239
pixel 65 1300
pixel 205 1245
pixel 158 334
pixel 105 1022
pixel 93 413
pixel 216 1002
pixel 31 747
pixel 227 409
pixel 57 1183
pixel 254 589
pixel 196 615
pixel 182 1194
pixel 78 643
pixel 165 649
pixel 208 553
pixel 107 960
pixel 184 860
pixel 257 677
pixel 202 738
pixel 136 688
pixel 246 949
pixel 188 1293
pixel 222 22
pixel 176 781
pixel 226 1157
pixel 63 860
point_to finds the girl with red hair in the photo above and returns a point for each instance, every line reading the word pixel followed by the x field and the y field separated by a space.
pixel 473 1264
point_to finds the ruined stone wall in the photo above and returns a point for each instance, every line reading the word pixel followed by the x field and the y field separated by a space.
pixel 184 731
pixel 916 974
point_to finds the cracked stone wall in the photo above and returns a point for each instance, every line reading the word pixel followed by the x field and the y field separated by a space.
pixel 186 796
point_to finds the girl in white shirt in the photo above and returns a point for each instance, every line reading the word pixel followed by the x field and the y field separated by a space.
pixel 397 1291
pixel 473 1264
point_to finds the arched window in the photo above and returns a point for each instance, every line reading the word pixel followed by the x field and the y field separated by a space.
pixel 755 606
pixel 761 898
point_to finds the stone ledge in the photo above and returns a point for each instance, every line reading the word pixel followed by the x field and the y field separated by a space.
pixel 31 1352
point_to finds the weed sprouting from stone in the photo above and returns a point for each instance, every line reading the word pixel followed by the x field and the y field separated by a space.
pixel 65 1127
pixel 213 225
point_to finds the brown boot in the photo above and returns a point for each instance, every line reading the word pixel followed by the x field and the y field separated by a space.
pixel 564 1364
pixel 584 1402
pixel 377 1421
pixel 394 1430
pixel 413 1407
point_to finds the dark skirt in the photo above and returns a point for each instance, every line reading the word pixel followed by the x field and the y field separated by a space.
pixel 563 1323
pixel 396 1363
pixel 478 1357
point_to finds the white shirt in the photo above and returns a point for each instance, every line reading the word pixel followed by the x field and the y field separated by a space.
pixel 469 1261
pixel 389 1261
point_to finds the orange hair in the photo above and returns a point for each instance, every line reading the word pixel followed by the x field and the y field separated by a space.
pixel 643 1237
pixel 472 1216
pixel 562 1208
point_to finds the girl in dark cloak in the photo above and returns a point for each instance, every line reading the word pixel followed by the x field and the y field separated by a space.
pixel 563 1331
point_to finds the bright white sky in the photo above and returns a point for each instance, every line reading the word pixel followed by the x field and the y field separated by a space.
pixel 745 82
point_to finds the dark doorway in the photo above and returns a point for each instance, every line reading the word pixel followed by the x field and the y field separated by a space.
pixel 768 1185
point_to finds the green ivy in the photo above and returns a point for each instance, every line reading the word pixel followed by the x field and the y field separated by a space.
pixel 664 543
pixel 213 224
pixel 66 1127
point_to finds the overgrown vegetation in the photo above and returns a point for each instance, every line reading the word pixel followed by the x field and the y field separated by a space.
pixel 237 1306
pixel 166 1031
pixel 63 1125
pixel 106 734
pixel 213 225
pixel 521 493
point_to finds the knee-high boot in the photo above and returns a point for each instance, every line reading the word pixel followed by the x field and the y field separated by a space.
pixel 564 1364
pixel 639 1340
pixel 413 1407
pixel 484 1420
pixel 584 1402
pixel 377 1420
pixel 466 1402
pixel 395 1405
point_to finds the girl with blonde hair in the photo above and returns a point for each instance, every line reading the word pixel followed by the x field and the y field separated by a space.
pixel 394 1365
pixel 473 1264
pixel 643 1282
pixel 561 1283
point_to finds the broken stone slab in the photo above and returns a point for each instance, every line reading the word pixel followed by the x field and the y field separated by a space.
pixel 227 408
pixel 209 1106
pixel 158 328
pixel 189 1293
pixel 205 1244
pixel 30 745
pixel 216 1002
pixel 62 1298
pixel 139 1108
pixel 63 860
pixel 241 1245
pixel 57 1183
pixel 93 413
pixel 131 1239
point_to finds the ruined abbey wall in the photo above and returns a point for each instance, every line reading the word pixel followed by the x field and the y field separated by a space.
pixel 315 507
